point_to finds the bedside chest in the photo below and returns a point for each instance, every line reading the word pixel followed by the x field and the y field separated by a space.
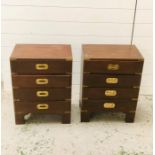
pixel 110 82
pixel 41 79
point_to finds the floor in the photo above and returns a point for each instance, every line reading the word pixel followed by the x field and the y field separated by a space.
pixel 106 134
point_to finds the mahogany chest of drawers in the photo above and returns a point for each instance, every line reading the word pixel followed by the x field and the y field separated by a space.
pixel 41 79
pixel 110 82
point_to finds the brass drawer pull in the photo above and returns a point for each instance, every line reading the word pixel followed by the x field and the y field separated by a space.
pixel 109 105
pixel 111 80
pixel 110 93
pixel 42 106
pixel 42 93
pixel 41 66
pixel 113 67
pixel 41 81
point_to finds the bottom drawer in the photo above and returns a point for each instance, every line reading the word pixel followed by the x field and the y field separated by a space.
pixel 55 107
pixel 109 105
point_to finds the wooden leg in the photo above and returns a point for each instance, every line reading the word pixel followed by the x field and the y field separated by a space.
pixel 19 119
pixel 130 116
pixel 66 118
pixel 85 116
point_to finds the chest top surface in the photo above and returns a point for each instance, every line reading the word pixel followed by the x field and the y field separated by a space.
pixel 113 52
pixel 42 51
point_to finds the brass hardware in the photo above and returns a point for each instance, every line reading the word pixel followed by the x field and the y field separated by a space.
pixel 41 81
pixel 67 112
pixel 85 98
pixel 13 73
pixel 68 59
pixel 86 59
pixel 68 99
pixel 42 93
pixel 110 93
pixel 109 105
pixel 41 66
pixel 134 99
pixel 42 106
pixel 138 73
pixel 135 86
pixel 111 80
pixel 15 87
pixel 12 59
pixel 84 86
pixel 113 67
pixel 68 73
pixel 84 110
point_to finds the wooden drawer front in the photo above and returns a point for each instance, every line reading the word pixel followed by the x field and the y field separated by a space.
pixel 101 93
pixel 118 67
pixel 109 105
pixel 99 80
pixel 57 107
pixel 34 94
pixel 41 67
pixel 41 81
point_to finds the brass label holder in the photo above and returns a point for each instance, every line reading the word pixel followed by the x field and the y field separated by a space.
pixel 112 80
pixel 109 105
pixel 42 106
pixel 110 93
pixel 113 67
pixel 41 81
pixel 42 93
pixel 41 66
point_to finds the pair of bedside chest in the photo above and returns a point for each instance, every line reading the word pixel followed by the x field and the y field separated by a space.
pixel 111 76
pixel 42 75
pixel 41 79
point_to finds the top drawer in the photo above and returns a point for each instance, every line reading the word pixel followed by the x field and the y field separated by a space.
pixel 41 66
pixel 113 66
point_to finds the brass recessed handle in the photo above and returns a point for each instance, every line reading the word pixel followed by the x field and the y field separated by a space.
pixel 110 93
pixel 111 80
pixel 42 106
pixel 41 66
pixel 42 93
pixel 41 81
pixel 109 105
pixel 113 67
